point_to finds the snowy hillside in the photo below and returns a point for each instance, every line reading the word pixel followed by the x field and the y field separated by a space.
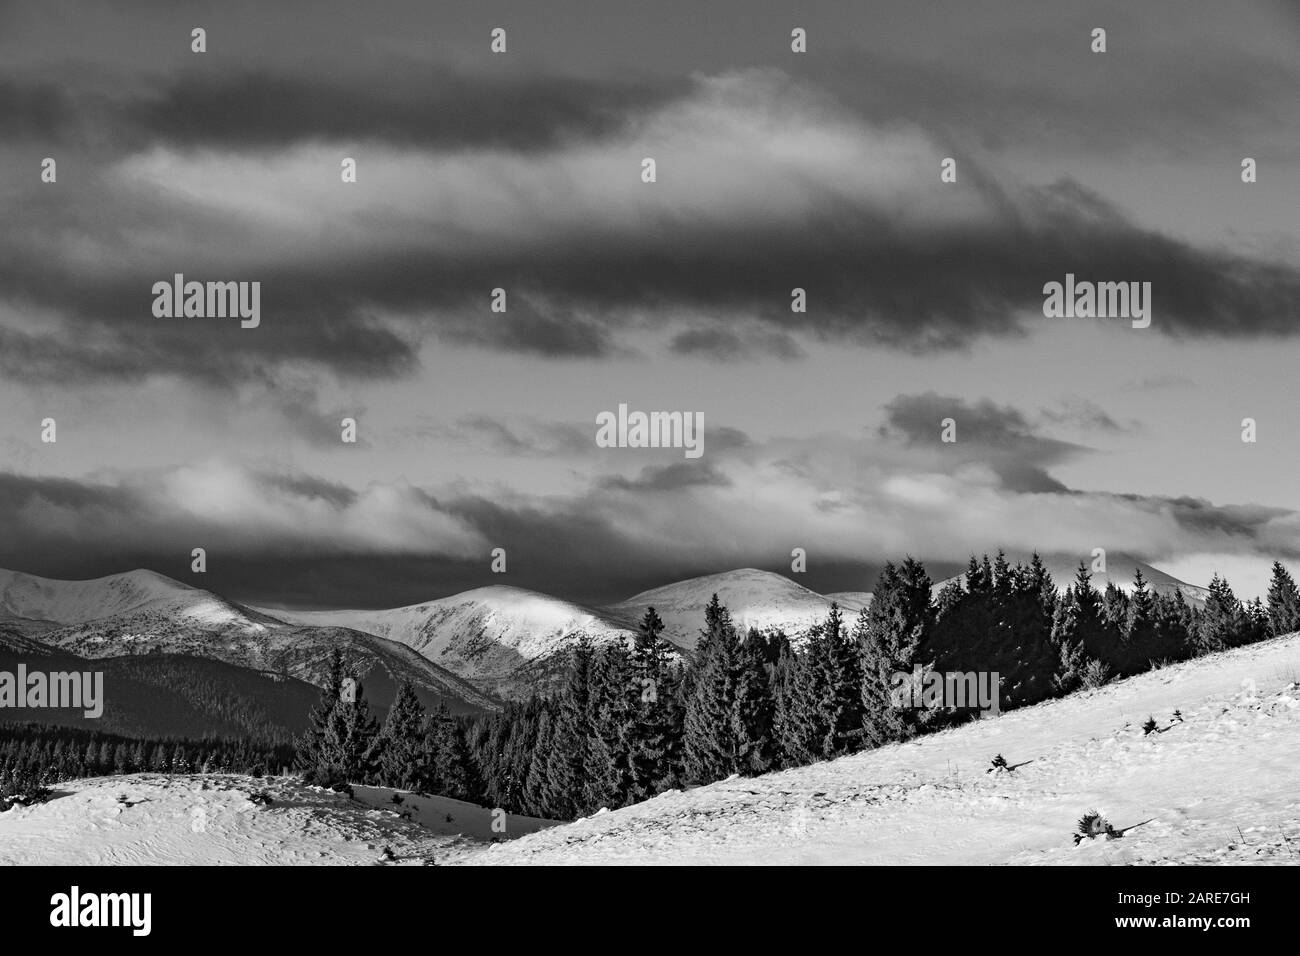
pixel 142 612
pixel 851 601
pixel 757 599
pixel 26 597
pixel 1222 786
pixel 158 819
pixel 505 640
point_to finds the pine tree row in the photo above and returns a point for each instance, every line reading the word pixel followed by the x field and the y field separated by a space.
pixel 629 724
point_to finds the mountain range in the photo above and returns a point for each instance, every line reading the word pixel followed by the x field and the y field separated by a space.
pixel 468 651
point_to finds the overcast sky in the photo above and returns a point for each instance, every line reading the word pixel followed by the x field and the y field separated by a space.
pixel 522 170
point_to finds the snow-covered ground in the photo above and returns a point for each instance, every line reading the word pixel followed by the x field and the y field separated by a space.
pixel 1221 786
pixel 157 819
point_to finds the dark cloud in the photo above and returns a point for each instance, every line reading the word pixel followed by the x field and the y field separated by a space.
pixel 431 107
pixel 996 435
pixel 1245 523
pixel 1156 92
pixel 529 438
pixel 32 110
pixel 1083 413
pixel 724 345
pixel 916 419
pixel 524 328
pixel 360 309
pixel 726 438
pixel 309 486
pixel 681 474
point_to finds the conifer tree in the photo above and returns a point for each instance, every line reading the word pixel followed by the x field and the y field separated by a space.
pixel 614 694
pixel 654 739
pixel 402 752
pixel 1222 622
pixel 1283 602
pixel 308 746
pixel 534 796
pixel 828 693
pixel 891 632
pixel 566 764
pixel 346 751
pixel 712 732
pixel 754 706
pixel 1140 637
pixel 454 770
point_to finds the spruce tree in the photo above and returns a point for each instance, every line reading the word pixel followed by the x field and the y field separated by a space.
pixel 347 750
pixel 890 634
pixel 566 764
pixel 828 699
pixel 754 706
pixel 653 733
pixel 1140 637
pixel 1283 602
pixel 402 753
pixel 711 732
pixel 614 696
pixel 451 768
pixel 308 746
pixel 1222 622
pixel 534 795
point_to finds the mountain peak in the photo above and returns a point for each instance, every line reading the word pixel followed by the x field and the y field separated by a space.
pixel 764 600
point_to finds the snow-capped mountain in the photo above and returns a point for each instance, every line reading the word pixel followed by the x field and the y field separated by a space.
pixel 28 598
pixel 142 612
pixel 756 599
pixel 505 640
pixel 466 649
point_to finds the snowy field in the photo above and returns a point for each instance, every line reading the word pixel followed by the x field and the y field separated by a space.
pixel 1221 786
pixel 157 819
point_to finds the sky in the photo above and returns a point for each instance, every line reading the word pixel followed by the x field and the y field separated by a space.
pixel 522 170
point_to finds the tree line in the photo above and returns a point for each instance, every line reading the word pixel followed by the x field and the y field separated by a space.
pixel 629 722
pixel 35 756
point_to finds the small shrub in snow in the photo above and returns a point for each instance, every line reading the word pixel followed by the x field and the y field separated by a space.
pixel 1092 825
pixel 1149 727
pixel 999 765
pixel 1094 674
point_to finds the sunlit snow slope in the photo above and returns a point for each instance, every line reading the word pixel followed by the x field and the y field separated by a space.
pixel 1222 786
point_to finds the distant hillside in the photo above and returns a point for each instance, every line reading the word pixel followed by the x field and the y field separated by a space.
pixel 141 612
pixel 506 641
pixel 756 599
pixel 171 695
